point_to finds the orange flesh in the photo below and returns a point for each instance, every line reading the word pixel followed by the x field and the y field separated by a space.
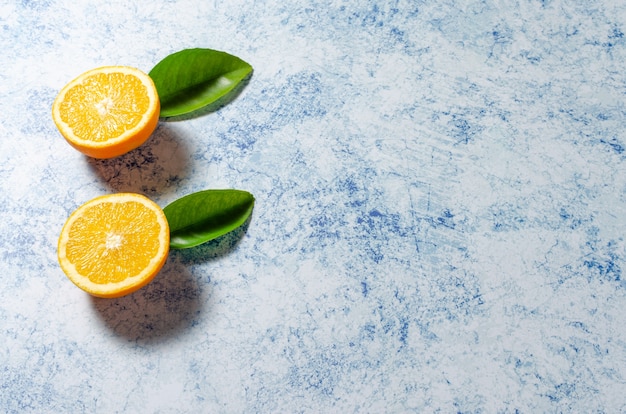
pixel 107 111
pixel 111 251
pixel 114 244
pixel 105 106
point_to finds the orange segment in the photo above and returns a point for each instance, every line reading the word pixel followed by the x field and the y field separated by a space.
pixel 107 111
pixel 114 244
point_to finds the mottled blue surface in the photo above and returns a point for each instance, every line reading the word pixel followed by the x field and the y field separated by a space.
pixel 439 225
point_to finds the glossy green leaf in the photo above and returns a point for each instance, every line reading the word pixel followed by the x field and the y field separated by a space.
pixel 194 78
pixel 205 215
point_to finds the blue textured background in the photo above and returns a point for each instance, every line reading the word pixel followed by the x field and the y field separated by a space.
pixel 439 225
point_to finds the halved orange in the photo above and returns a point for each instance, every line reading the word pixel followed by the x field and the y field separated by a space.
pixel 107 111
pixel 114 244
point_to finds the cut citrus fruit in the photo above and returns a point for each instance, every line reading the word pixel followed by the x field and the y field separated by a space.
pixel 108 111
pixel 114 244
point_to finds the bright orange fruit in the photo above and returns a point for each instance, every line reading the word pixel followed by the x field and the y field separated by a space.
pixel 108 111
pixel 114 244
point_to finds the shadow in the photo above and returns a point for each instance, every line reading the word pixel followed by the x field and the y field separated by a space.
pixel 215 106
pixel 165 308
pixel 149 169
pixel 214 249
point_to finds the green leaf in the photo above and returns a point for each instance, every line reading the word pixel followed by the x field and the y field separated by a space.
pixel 199 217
pixel 194 78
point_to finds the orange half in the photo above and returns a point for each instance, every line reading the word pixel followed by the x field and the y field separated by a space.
pixel 107 111
pixel 114 245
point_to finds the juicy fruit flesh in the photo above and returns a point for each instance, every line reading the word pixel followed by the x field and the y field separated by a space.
pixel 105 105
pixel 114 244
pixel 107 111
pixel 111 251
